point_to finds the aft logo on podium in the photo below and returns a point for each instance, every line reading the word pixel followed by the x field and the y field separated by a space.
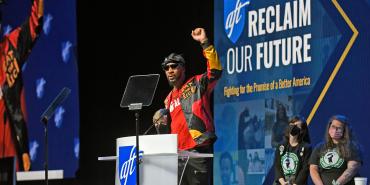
pixel 127 164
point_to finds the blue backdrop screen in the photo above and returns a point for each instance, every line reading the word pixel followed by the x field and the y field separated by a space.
pixel 51 66
pixel 282 58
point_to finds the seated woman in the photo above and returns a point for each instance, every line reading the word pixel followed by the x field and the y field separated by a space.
pixel 336 160
pixel 292 155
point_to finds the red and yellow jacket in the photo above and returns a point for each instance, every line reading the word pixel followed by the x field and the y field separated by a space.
pixel 194 124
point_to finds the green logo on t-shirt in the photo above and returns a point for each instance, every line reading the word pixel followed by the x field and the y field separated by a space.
pixel 331 159
pixel 289 162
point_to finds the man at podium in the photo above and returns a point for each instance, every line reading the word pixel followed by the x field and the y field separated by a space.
pixel 188 107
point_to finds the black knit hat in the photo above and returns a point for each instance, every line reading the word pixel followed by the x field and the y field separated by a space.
pixel 173 58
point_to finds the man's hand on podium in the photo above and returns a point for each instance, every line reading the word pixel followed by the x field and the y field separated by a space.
pixel 160 117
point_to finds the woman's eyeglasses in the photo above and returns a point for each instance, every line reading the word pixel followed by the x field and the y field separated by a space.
pixel 172 66
pixel 336 128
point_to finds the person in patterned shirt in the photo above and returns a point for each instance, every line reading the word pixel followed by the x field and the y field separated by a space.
pixel 189 110
pixel 15 47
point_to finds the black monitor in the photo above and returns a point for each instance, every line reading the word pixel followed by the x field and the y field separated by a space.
pixel 140 89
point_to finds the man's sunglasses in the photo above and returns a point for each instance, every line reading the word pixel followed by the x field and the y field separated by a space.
pixel 172 66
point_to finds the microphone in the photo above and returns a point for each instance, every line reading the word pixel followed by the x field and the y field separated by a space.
pixel 157 116
pixel 150 129
pixel 63 94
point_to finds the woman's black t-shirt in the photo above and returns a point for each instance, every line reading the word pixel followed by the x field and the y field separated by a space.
pixel 291 163
pixel 331 164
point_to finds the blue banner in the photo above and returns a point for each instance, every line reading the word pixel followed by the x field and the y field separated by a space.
pixel 282 58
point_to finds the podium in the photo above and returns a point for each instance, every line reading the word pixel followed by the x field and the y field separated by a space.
pixel 159 159
pixel 158 156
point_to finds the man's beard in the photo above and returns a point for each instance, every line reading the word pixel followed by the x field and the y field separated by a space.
pixel 177 79
pixel 172 83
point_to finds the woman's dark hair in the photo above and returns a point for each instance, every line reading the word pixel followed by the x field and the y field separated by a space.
pixel 304 135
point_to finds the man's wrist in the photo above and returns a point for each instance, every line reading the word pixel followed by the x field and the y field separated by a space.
pixel 205 43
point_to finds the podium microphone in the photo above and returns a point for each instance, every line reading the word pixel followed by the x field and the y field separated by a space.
pixel 150 128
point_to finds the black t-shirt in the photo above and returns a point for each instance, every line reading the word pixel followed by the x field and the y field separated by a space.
pixel 291 163
pixel 331 164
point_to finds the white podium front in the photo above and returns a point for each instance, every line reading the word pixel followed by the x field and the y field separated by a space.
pixel 159 160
